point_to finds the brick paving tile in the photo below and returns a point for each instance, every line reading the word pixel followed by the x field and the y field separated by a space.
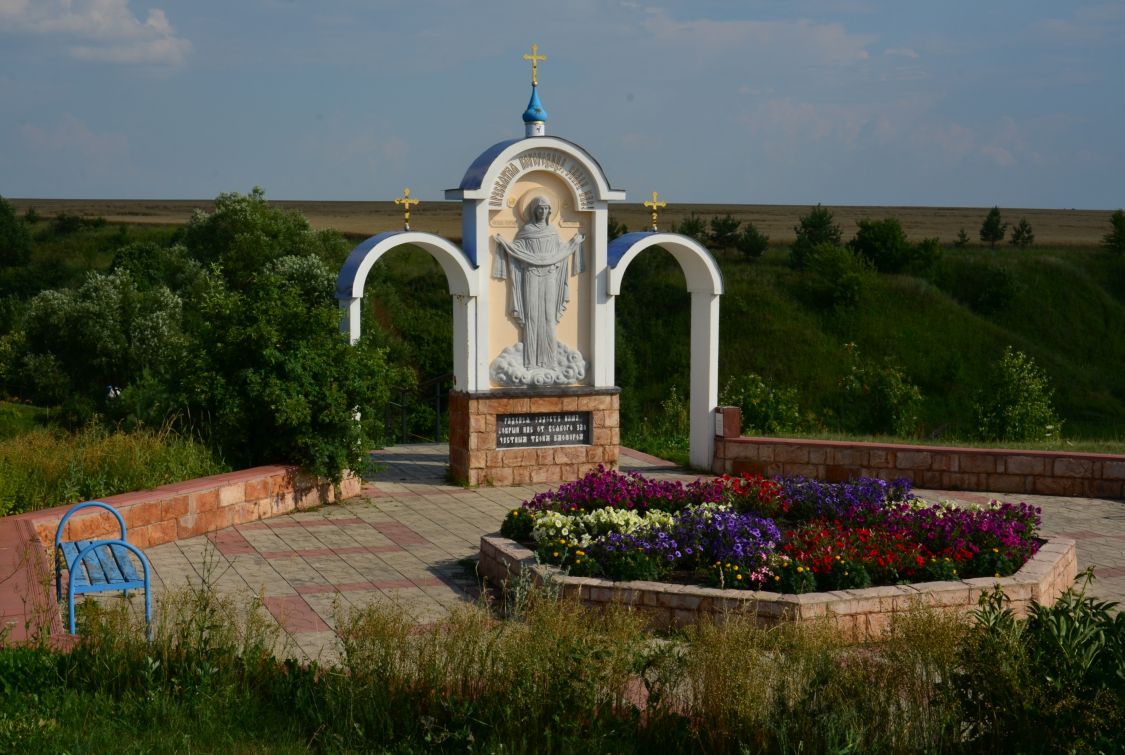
pixel 401 540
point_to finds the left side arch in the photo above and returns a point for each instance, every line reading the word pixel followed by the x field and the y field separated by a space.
pixel 459 274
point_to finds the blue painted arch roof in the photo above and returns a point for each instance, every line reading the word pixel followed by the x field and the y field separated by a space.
pixel 474 176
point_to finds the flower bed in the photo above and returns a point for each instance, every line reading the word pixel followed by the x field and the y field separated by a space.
pixel 791 535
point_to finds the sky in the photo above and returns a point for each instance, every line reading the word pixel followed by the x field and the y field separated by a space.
pixel 1017 103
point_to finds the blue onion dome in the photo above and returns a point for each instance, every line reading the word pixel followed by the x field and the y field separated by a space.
pixel 535 112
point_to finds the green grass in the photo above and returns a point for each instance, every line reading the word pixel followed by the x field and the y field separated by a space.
pixel 549 675
pixel 1063 307
pixel 48 467
pixel 16 419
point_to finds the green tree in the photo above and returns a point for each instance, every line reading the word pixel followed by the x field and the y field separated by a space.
pixel 615 229
pixel 244 232
pixel 752 243
pixel 813 229
pixel 992 230
pixel 962 240
pixel 15 241
pixel 724 231
pixel 693 227
pixel 836 277
pixel 1114 241
pixel 883 243
pixel 233 338
pixel 1016 404
pixel 1022 235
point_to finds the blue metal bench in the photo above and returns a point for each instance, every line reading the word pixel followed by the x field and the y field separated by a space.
pixel 99 565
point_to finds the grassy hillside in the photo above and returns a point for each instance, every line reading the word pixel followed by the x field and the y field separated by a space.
pixel 1063 307
pixel 944 329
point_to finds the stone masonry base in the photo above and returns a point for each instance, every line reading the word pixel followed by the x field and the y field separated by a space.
pixel 474 458
pixel 860 614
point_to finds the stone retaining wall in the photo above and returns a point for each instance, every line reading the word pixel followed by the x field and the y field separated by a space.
pixel 860 614
pixel 186 509
pixel 997 470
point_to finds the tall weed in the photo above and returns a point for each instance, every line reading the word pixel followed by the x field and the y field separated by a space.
pixel 47 467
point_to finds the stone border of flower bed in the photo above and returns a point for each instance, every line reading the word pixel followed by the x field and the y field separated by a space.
pixel 863 614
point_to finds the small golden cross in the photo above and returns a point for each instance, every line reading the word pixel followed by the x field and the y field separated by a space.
pixel 406 201
pixel 534 57
pixel 655 208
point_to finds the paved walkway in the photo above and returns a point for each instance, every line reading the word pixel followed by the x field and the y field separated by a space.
pixel 410 538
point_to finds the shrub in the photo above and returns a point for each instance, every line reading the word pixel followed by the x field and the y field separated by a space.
pixel 983 285
pixel 836 277
pixel 15 241
pixel 1114 241
pixel 962 239
pixel 926 257
pixel 1022 235
pixel 813 230
pixel 694 227
pixel 766 409
pixel 879 398
pixel 66 224
pixel 724 231
pixel 752 243
pixel 615 228
pixel 883 243
pixel 1052 682
pixel 1016 403
pixel 992 230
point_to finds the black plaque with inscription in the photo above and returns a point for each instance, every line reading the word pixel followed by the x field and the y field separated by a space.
pixel 546 429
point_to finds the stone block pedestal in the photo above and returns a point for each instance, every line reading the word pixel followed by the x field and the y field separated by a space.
pixel 479 454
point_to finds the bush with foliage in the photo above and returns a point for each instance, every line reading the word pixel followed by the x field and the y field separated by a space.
pixel 879 398
pixel 1016 403
pixel 724 232
pixel 766 409
pixel 694 227
pixel 993 228
pixel 752 243
pixel 1022 235
pixel 883 243
pixel 813 229
pixel 1114 241
pixel 836 277
pixel 1052 682
pixel 15 241
pixel 984 285
pixel 962 240
pixel 233 337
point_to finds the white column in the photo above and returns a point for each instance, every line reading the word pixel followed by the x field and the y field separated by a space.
pixel 602 327
pixel 704 377
pixel 349 323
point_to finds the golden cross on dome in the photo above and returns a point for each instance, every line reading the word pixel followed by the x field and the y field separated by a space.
pixel 655 208
pixel 534 57
pixel 406 201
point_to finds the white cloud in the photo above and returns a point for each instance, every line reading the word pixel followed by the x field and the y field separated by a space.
pixel 736 40
pixel 108 29
pixel 901 52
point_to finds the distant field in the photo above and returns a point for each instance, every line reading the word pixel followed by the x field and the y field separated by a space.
pixel 1051 227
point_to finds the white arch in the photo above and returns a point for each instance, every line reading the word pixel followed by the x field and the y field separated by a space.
pixel 705 283
pixel 459 274
pixel 700 270
pixel 485 170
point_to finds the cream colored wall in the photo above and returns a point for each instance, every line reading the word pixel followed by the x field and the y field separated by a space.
pixel 503 331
